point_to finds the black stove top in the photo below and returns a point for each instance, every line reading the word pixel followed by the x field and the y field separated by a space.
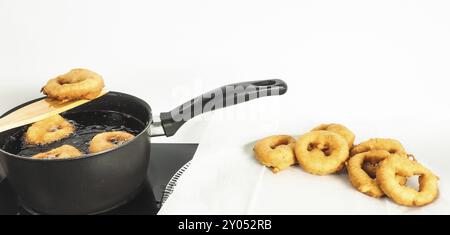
pixel 165 161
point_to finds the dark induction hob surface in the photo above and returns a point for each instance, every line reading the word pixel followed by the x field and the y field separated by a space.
pixel 165 161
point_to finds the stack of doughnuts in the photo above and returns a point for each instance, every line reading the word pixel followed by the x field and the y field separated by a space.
pixel 377 167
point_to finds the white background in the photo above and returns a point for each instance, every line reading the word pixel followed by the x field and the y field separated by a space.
pixel 373 60
pixel 380 67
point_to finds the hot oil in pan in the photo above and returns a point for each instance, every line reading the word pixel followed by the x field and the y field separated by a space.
pixel 87 125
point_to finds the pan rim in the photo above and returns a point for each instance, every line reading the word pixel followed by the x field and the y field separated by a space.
pixel 89 155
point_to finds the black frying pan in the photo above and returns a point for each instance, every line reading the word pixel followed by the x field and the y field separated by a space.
pixel 99 182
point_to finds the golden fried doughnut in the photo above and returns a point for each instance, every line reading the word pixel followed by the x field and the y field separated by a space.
pixel 390 145
pixel 74 85
pixel 321 152
pixel 108 140
pixel 360 179
pixel 49 130
pixel 65 151
pixel 275 152
pixel 402 194
pixel 338 129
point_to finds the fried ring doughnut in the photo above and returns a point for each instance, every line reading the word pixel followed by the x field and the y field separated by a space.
pixel 49 130
pixel 360 179
pixel 404 195
pixel 321 152
pixel 338 129
pixel 390 145
pixel 275 152
pixel 63 152
pixel 108 140
pixel 74 85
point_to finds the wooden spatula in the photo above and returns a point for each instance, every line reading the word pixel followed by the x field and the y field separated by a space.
pixel 37 111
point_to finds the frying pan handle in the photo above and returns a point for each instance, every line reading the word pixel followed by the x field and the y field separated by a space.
pixel 221 97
